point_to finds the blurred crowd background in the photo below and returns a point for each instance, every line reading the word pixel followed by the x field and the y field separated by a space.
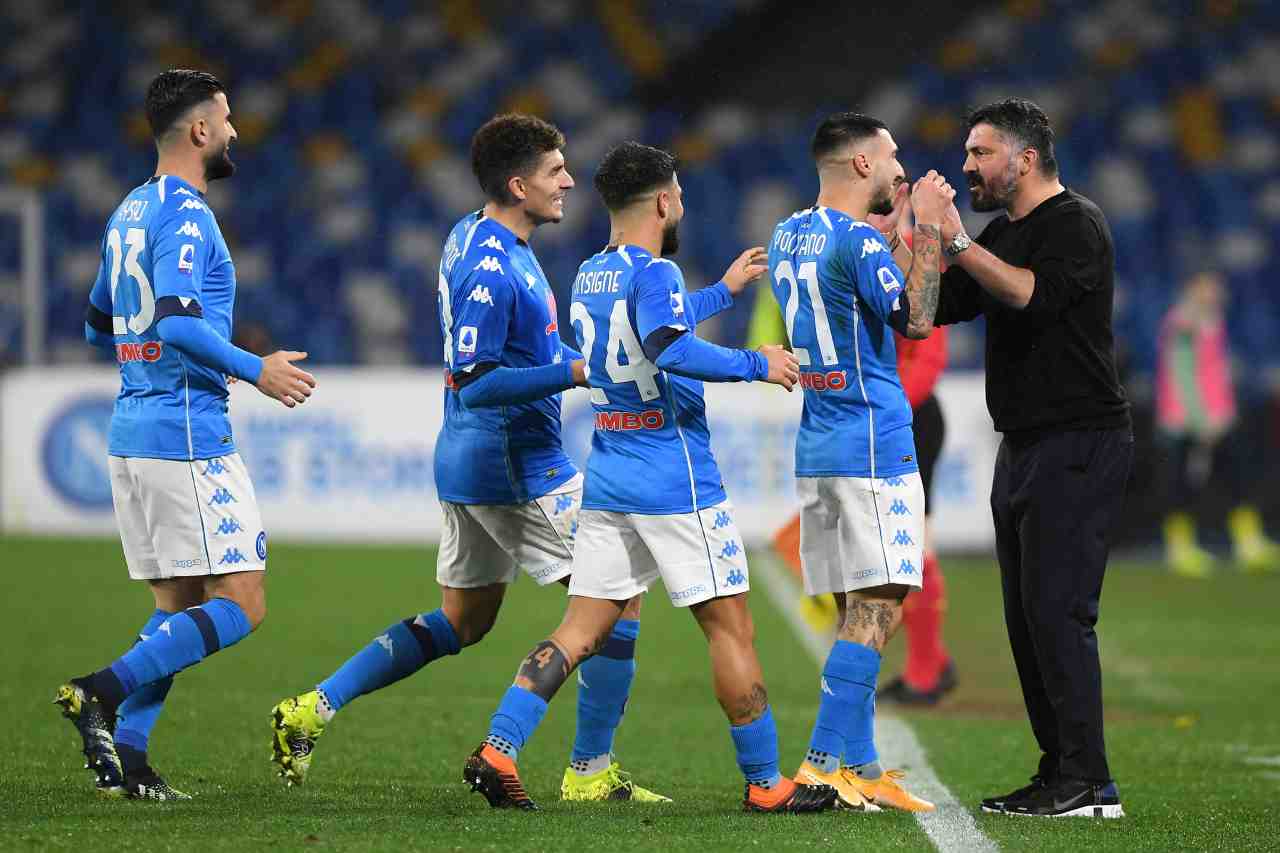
pixel 354 120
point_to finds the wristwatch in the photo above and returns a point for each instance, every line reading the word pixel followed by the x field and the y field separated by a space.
pixel 958 244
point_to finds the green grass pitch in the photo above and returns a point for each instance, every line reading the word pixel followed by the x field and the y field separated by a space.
pixel 1192 687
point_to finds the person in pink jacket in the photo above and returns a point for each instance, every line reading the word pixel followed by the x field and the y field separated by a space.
pixel 1196 414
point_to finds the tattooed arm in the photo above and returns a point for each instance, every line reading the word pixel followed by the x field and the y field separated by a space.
pixel 930 198
pixel 923 280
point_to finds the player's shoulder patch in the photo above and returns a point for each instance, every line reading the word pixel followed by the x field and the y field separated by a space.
pixel 186 215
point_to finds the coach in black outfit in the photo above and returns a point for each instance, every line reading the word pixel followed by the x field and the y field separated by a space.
pixel 1043 276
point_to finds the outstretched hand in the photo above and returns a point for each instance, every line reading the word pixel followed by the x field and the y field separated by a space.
pixel 748 267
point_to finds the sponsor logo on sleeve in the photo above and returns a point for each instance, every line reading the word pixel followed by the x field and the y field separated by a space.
pixel 489 264
pixel 480 294
pixel 677 304
pixel 186 258
pixel 191 204
pixel 871 245
pixel 492 242
pixel 888 280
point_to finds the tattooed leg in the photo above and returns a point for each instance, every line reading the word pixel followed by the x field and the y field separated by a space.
pixel 586 625
pixel 735 669
pixel 870 617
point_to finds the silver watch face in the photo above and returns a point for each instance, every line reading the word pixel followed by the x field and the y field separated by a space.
pixel 958 244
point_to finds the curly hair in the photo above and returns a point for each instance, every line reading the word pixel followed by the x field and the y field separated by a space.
pixel 509 145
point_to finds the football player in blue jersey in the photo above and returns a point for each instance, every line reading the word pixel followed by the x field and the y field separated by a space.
pixel 839 282
pixel 509 493
pixel 184 504
pixel 654 505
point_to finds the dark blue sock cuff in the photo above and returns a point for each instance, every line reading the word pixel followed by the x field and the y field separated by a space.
pixel 442 633
pixel 208 632
pixel 230 624
pixel 852 662
pixel 128 738
pixel 621 644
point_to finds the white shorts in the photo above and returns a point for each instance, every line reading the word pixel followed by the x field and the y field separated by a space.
pixel 856 532
pixel 181 519
pixel 698 555
pixel 485 543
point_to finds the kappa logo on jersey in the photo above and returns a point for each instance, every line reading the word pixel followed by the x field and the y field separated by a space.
pixel 888 280
pixel 189 229
pixel 492 242
pixel 480 294
pixel 489 264
pixel 467 340
pixel 730 549
pixel 677 304
pixel 385 641
pixel 530 280
pixel 182 191
pixel 227 526
pixel 871 245
pixel 899 507
pixel 907 568
pixel 722 520
pixel 826 688
pixel 894 482
pixel 220 497
pixel 186 257
pixel 148 352
pixel 192 204
pixel 232 557
pixel 214 468
pixel 563 502
pixel 902 538
pixel 737 578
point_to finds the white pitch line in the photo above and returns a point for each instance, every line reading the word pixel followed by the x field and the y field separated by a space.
pixel 951 827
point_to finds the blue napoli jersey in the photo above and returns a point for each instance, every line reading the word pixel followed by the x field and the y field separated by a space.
pixel 651 447
pixel 497 308
pixel 837 284
pixel 163 241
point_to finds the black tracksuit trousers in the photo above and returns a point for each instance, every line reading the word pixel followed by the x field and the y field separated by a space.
pixel 1056 499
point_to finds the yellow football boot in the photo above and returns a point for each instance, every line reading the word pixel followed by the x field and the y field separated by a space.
pixel 296 726
pixel 611 783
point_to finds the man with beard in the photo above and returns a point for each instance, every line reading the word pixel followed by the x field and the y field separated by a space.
pixel 509 494
pixel 1042 273
pixel 654 505
pixel 185 506
pixel 843 296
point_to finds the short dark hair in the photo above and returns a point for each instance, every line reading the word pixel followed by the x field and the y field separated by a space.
pixel 508 145
pixel 175 91
pixel 839 129
pixel 631 170
pixel 1026 123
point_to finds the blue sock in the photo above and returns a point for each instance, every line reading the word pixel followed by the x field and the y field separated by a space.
pixel 757 746
pixel 861 668
pixel 183 639
pixel 139 712
pixel 604 683
pixel 400 651
pixel 514 722
pixel 837 705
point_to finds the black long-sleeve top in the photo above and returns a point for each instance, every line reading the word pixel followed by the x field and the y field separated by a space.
pixel 1051 366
